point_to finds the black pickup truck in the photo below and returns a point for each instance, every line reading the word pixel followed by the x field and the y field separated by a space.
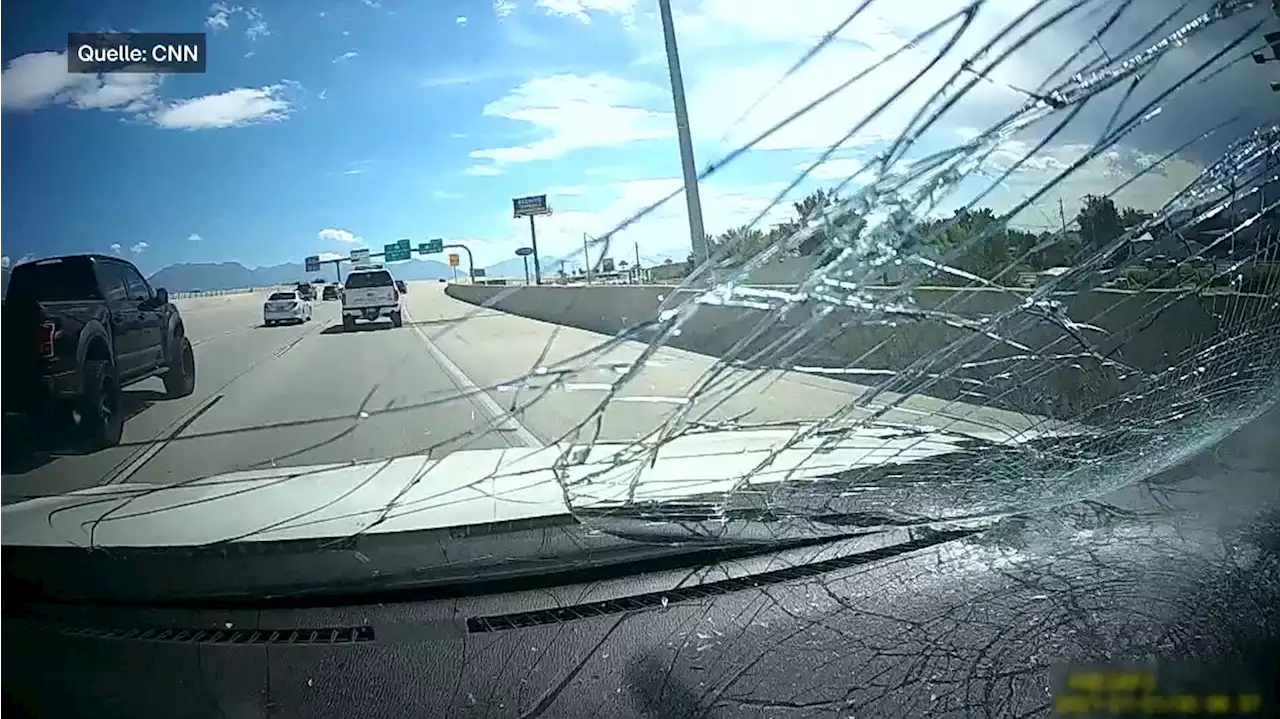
pixel 77 330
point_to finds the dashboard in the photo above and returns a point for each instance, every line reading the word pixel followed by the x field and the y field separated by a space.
pixel 1184 567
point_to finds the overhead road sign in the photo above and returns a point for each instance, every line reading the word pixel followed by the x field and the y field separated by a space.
pixel 531 206
pixel 396 253
pixel 313 263
pixel 431 247
pixel 359 256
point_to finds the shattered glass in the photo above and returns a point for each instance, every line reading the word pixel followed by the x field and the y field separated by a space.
pixel 1096 376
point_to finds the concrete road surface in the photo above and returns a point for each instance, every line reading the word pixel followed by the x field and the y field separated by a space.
pixel 312 394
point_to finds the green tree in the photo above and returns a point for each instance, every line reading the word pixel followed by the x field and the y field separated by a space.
pixel 741 244
pixel 810 210
pixel 1099 221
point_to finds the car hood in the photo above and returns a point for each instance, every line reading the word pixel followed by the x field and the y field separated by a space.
pixel 467 487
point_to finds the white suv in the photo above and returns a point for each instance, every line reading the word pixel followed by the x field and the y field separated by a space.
pixel 369 294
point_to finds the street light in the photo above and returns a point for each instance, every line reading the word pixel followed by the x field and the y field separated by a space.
pixel 691 196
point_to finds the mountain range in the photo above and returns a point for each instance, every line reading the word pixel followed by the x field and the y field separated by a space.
pixel 195 276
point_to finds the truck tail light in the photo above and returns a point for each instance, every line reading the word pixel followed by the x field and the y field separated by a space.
pixel 45 339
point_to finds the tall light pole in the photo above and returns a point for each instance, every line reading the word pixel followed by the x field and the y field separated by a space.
pixel 691 197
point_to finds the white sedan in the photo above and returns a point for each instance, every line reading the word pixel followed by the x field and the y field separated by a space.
pixel 285 307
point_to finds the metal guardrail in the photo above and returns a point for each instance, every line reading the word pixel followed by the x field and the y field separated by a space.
pixel 217 293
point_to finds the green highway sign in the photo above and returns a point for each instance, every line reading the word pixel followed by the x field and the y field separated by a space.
pixel 403 244
pixel 395 253
pixel 431 247
pixel 313 263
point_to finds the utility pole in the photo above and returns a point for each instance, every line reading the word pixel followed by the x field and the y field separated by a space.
pixel 586 257
pixel 635 270
pixel 692 199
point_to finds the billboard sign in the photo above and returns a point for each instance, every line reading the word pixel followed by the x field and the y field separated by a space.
pixel 530 206
pixel 606 264
pixel 524 252
pixel 478 272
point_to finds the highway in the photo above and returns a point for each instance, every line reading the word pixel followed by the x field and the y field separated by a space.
pixel 312 394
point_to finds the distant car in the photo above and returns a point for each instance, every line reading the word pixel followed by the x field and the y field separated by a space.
pixel 400 285
pixel 330 292
pixel 286 307
pixel 370 293
pixel 306 291
pixel 443 280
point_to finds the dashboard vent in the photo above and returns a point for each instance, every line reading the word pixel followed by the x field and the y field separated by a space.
pixel 325 635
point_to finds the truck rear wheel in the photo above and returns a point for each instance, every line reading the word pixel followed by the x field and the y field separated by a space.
pixel 348 323
pixel 101 420
pixel 180 378
pixel 396 319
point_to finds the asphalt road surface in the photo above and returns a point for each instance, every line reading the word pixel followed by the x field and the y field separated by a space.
pixel 312 394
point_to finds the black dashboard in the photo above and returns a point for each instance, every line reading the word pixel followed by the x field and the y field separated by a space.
pixel 1184 566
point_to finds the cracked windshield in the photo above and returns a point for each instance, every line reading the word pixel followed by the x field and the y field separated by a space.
pixel 817 358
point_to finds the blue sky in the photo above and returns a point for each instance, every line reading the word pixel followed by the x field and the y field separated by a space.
pixel 321 126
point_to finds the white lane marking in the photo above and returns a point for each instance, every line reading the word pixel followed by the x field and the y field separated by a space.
pixel 474 391
pixel 170 434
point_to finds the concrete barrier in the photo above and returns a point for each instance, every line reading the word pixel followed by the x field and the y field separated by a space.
pixel 1121 354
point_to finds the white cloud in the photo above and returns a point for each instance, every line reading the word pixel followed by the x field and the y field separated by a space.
pixel 256 27
pixel 503 8
pixel 446 195
pixel 334 234
pixel 736 50
pixel 1099 176
pixel 483 171
pixel 115 247
pixel 461 20
pixel 574 112
pixel 193 237
pixel 139 248
pixel 39 79
pixel 569 190
pixel 581 10
pixel 233 108
pixel 221 15
pixel 349 55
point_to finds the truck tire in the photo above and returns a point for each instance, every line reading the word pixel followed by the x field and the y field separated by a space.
pixel 180 378
pixel 348 323
pixel 396 319
pixel 101 418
